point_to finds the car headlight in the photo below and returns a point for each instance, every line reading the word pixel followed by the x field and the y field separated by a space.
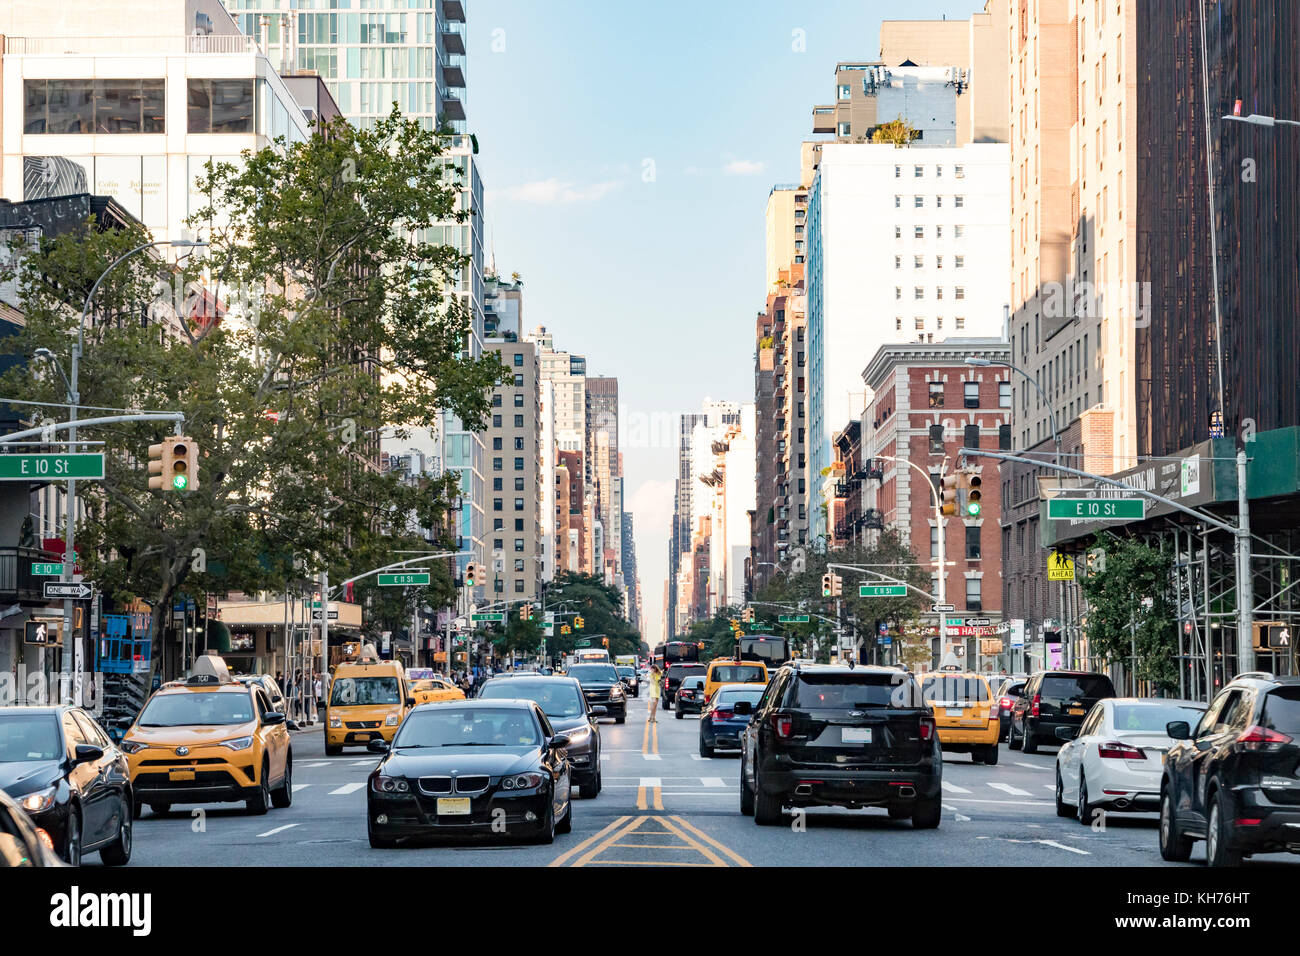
pixel 39 800
pixel 336 721
pixel 386 784
pixel 392 720
pixel 616 691
pixel 577 736
pixel 238 743
pixel 133 746
pixel 522 781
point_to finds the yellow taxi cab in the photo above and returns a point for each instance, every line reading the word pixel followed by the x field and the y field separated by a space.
pixel 428 686
pixel 965 714
pixel 209 739
pixel 368 700
pixel 727 671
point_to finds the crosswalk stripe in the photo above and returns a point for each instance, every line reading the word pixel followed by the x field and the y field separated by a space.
pixel 650 782
pixel 348 788
pixel 650 756
pixel 952 787
pixel 1007 788
pixel 713 781
pixel 300 786
pixel 315 763
pixel 365 763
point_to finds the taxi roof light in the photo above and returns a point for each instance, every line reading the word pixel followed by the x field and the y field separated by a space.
pixel 209 669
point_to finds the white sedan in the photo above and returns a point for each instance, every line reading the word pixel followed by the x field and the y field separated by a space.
pixel 1115 760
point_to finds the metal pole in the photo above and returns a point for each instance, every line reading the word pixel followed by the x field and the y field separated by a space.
pixel 324 634
pixel 1245 586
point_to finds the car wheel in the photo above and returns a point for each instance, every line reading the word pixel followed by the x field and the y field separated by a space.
pixel 1030 743
pixel 746 794
pixel 595 787
pixel 705 749
pixel 926 814
pixel 260 801
pixel 566 825
pixel 547 836
pixel 1085 807
pixel 767 808
pixel 1063 809
pixel 118 853
pixel 1217 849
pixel 679 713
pixel 158 809
pixel 1013 742
pixel 1174 847
pixel 72 838
pixel 283 797
pixel 991 755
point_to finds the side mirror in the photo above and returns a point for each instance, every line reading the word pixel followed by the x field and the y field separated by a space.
pixel 742 708
pixel 273 717
pixel 599 710
pixel 1067 733
pixel 377 745
pixel 124 722
pixel 1179 730
pixel 558 742
pixel 410 702
pixel 87 752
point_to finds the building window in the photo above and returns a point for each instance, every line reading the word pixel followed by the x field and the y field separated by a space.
pixel 519 464
pixel 94 106
pixel 519 565
pixel 220 106
pixel 938 262
pixel 844 129
pixel 898 262
pixel 918 171
pixel 496 484
pixel 898 292
pixel 959 201
pixel 498 524
pixel 972 542
pixel 973 602
pixel 938 292
pixel 936 394
pixel 519 586
pixel 898 323
pixel 519 421
pixel 1004 438
pixel 959 322
pixel 938 172
pixel 919 322
pixel 519 400
pixel 898 232
pixel 898 172
pixel 958 232
pixel 959 172
pixel 918 262
pixel 498 585
pixel 496 443
pixel 938 202
pixel 934 541
pixel 519 504
pixel 519 443
pixel 496 400
pixel 844 91
pixel 519 359
pixel 918 232
pixel 496 464
pixel 1004 394
pixel 918 292
pixel 519 524
pixel 970 436
pixel 959 292
pixel 970 392
pixel 519 544
pixel 918 202
pixel 496 504
pixel 496 421
pixel 936 439
pixel 519 381
pixel 959 262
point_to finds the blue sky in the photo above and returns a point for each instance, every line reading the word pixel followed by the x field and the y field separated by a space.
pixel 627 150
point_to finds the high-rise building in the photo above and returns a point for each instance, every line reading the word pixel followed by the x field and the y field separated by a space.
pixel 602 456
pixel 516 495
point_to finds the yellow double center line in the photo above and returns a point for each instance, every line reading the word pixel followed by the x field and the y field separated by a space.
pixel 650 745
pixel 683 837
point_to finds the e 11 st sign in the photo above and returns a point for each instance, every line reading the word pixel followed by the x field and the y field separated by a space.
pixel 1097 509
pixel 403 580
pixel 882 590
pixel 81 465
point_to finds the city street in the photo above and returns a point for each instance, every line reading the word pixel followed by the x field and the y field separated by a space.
pixel 664 805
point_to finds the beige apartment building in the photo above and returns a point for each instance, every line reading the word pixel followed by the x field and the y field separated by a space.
pixel 514 496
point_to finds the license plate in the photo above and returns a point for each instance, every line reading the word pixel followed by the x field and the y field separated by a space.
pixel 953 711
pixel 453 806
pixel 856 735
pixel 1075 711
pixel 180 774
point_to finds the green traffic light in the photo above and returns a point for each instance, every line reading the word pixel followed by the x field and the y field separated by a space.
pixel 973 508
pixel 180 482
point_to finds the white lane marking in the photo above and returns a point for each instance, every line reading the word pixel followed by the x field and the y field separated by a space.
pixel 697 757
pixel 315 763
pixel 1062 846
pixel 369 762
pixel 281 829
pixel 694 793
pixel 348 788
pixel 1007 788
pixel 1033 766
pixel 713 781
pixel 650 782
pixel 1050 786
pixel 300 786
pixel 650 756
pixel 952 787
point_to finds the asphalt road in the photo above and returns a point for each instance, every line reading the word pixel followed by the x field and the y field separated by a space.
pixel 662 804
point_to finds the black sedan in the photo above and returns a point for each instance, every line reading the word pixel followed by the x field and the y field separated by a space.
pixel 690 696
pixel 470 768
pixel 720 725
pixel 631 680
pixel 60 766
pixel 564 705
pixel 602 687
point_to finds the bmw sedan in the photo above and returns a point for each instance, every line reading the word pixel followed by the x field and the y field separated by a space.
pixel 60 766
pixel 471 768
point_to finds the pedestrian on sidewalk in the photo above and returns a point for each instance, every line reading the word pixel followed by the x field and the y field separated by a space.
pixel 656 678
pixel 320 698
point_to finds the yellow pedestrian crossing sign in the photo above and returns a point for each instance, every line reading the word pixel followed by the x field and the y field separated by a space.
pixel 1060 567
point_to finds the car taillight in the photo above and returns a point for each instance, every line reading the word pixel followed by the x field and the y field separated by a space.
pixel 783 725
pixel 927 728
pixel 1262 738
pixel 1118 751
pixel 1033 706
pixel 1004 703
pixel 720 715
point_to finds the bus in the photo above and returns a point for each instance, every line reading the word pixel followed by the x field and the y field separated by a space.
pixel 681 652
pixel 772 650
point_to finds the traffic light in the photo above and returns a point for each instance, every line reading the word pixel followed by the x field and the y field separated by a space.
pixel 974 504
pixel 524 613
pixel 1273 636
pixel 604 642
pixel 471 574
pixel 174 465
pixel 837 585
pixel 565 629
pixel 826 584
pixel 747 615
pixel 948 495
pixel 577 622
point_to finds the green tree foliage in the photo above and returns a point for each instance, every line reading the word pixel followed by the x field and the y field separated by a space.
pixel 1118 620
pixel 897 131
pixel 601 607
pixel 338 322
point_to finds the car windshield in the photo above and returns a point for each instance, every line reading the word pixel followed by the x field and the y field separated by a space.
pixel 556 698
pixel 364 690
pixel 197 709
pixel 443 726
pixel 846 691
pixel 1153 717
pixel 937 687
pixel 1072 686
pixel 28 737
pixel 626 672
pixel 593 672
pixel 738 674
pixel 727 697
pixel 1282 711
pixel 678 671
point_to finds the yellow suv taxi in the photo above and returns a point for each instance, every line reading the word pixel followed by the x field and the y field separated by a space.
pixel 726 671
pixel 428 686
pixel 367 701
pixel 209 739
pixel 965 714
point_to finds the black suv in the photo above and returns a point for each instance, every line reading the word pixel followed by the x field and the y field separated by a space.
pixel 1051 701
pixel 673 679
pixel 602 687
pixel 1232 781
pixel 824 735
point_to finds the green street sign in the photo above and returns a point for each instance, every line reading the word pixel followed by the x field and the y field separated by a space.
pixel 585 642
pixel 490 616
pixel 84 465
pixel 760 627
pixel 882 590
pixel 954 622
pixel 1097 509
pixel 47 570
pixel 403 580
pixel 792 619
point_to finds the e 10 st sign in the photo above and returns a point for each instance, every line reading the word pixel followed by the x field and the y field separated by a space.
pixel 81 465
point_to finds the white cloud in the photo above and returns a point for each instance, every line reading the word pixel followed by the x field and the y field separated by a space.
pixel 743 167
pixel 553 192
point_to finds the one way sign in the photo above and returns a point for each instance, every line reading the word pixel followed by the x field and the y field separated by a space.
pixel 76 590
